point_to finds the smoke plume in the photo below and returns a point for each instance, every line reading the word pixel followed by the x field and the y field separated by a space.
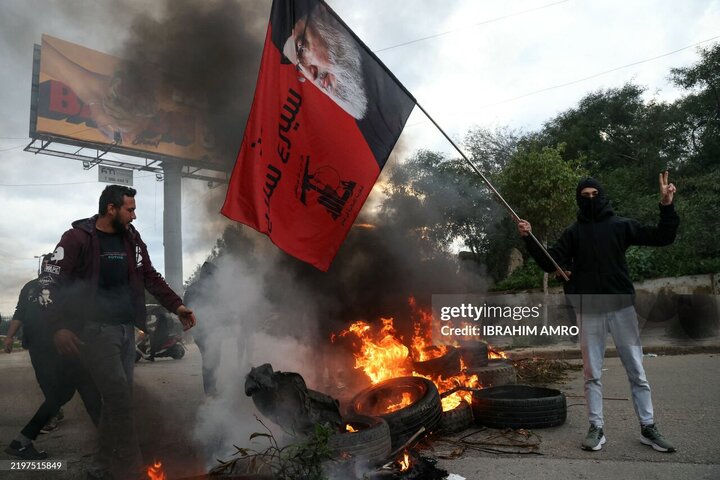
pixel 208 53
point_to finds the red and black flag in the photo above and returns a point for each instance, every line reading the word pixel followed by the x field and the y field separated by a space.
pixel 326 115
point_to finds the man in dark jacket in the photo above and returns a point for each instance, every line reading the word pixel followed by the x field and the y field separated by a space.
pixel 603 295
pixel 58 378
pixel 97 280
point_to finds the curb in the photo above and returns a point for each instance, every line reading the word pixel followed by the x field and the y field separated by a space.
pixel 575 353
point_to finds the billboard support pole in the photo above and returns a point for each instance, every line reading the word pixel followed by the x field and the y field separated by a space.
pixel 172 224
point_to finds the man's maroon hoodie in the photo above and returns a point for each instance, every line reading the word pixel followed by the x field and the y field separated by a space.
pixel 74 270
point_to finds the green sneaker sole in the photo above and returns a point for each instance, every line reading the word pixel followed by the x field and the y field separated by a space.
pixel 596 447
pixel 655 446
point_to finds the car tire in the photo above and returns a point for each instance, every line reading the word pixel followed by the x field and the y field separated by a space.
pixel 424 411
pixel 457 419
pixel 519 406
pixel 496 373
pixel 446 366
pixel 370 444
pixel 177 352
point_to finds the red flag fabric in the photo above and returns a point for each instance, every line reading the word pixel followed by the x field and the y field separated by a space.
pixel 325 117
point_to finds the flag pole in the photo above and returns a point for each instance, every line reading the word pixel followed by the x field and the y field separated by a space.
pixel 515 216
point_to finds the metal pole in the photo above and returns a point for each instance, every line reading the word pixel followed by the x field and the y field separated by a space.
pixel 515 216
pixel 172 224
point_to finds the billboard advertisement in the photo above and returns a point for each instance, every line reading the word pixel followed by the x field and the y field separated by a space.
pixel 89 98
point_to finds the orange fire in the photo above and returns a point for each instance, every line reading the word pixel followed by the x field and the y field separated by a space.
pixel 494 354
pixel 349 428
pixel 405 462
pixel 155 471
pixel 451 402
pixel 422 345
pixel 404 402
pixel 382 356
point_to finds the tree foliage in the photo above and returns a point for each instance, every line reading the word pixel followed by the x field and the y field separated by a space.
pixel 540 185
pixel 701 109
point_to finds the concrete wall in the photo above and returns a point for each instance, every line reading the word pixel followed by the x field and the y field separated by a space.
pixel 689 284
pixel 687 306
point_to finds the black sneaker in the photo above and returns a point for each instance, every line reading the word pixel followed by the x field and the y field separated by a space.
pixel 51 425
pixel 27 452
pixel 649 435
pixel 594 440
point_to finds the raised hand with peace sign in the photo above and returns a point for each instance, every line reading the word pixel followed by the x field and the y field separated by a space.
pixel 667 190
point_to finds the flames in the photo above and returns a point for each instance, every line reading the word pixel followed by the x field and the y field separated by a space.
pixel 422 346
pixel 349 428
pixel 405 462
pixel 405 400
pixel 495 355
pixel 155 471
pixel 382 355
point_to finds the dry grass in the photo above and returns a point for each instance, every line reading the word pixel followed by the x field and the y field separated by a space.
pixel 542 371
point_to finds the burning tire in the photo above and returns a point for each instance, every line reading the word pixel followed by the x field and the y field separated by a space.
pixel 370 442
pixel 497 373
pixel 445 366
pixel 457 419
pixel 424 408
pixel 474 354
pixel 519 406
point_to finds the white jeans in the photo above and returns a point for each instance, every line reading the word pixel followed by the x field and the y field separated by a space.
pixel 623 326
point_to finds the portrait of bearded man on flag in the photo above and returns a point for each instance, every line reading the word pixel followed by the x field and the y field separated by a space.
pixel 327 55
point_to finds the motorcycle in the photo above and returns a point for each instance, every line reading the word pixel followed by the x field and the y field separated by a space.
pixel 159 340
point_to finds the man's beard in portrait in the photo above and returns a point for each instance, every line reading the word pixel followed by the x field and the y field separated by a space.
pixel 346 66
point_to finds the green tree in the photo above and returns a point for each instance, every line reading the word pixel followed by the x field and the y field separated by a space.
pixel 540 185
pixel 701 108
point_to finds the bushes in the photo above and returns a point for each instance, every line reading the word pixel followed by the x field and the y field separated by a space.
pixel 528 276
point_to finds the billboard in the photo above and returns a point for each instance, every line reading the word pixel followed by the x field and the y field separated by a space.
pixel 87 98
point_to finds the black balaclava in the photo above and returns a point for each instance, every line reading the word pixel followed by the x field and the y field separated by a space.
pixel 591 208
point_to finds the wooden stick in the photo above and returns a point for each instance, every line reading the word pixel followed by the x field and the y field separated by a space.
pixel 406 444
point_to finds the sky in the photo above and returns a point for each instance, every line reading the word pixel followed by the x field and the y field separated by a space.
pixel 485 63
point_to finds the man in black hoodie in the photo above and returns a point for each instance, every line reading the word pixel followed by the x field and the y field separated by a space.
pixel 603 294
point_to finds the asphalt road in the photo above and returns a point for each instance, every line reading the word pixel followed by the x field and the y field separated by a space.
pixel 686 396
pixel 169 399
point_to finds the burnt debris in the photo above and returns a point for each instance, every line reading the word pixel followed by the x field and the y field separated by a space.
pixel 284 398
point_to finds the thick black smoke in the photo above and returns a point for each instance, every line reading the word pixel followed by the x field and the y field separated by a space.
pixel 384 261
pixel 208 53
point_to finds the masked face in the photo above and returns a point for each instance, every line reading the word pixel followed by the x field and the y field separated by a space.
pixel 591 199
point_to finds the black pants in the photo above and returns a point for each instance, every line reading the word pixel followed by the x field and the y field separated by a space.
pixel 59 378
